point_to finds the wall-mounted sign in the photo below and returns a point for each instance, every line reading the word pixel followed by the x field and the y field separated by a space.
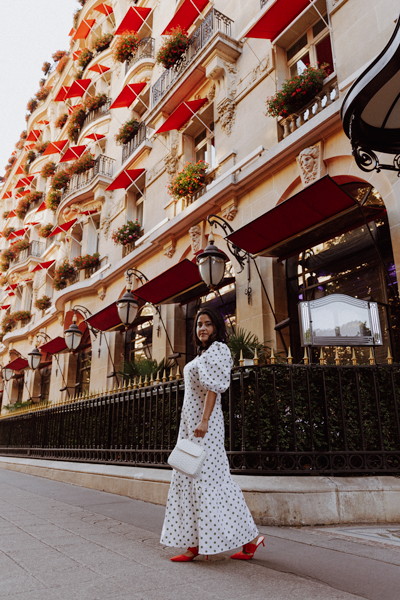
pixel 339 320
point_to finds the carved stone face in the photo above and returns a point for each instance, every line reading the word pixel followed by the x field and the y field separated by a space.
pixel 307 162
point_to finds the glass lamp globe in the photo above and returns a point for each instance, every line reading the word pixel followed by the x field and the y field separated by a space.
pixel 211 264
pixel 73 335
pixel 34 358
pixel 7 374
pixel 127 307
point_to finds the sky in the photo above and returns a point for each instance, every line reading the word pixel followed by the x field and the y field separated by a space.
pixel 31 31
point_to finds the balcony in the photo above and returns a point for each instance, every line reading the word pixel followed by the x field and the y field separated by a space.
pixel 214 21
pixel 35 249
pixel 263 3
pixel 96 114
pixel 145 50
pixel 103 165
pixel 130 147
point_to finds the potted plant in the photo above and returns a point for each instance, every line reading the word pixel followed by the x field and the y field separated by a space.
pixel 82 164
pixel 62 274
pixel 126 46
pixel 40 147
pixel 102 43
pixel 42 93
pixel 53 199
pixel 7 256
pixel 173 48
pixel 22 207
pixel 61 64
pixel 20 245
pixel 188 180
pixel 6 213
pixel 57 56
pixel 48 169
pixel 43 303
pixel 87 261
pixel 85 58
pixel 46 67
pixel 127 234
pixel 75 123
pixel 297 91
pixel 22 315
pixel 127 131
pixel 8 322
pixel 32 105
pixel 246 343
pixel 45 230
pixel 75 18
pixel 7 231
pixel 3 280
pixel 95 102
pixel 60 122
pixel 60 180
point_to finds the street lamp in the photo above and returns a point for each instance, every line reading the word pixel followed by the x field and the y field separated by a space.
pixel 128 305
pixel 73 334
pixel 211 263
pixel 34 357
pixel 7 374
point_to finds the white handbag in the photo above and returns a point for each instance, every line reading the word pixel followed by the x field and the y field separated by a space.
pixel 188 457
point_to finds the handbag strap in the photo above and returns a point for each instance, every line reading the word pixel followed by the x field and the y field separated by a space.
pixel 194 440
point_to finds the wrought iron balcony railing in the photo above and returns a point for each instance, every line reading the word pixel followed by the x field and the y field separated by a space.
pixel 214 21
pixel 263 3
pixel 130 147
pixel 35 248
pixel 146 49
pixel 97 113
pixel 103 165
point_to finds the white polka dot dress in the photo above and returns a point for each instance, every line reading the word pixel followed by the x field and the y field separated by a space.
pixel 209 512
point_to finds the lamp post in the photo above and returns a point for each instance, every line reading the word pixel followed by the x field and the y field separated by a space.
pixel 73 334
pixel 34 357
pixel 7 374
pixel 211 263
pixel 128 306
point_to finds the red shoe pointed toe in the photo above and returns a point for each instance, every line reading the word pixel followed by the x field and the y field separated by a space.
pixel 184 558
pixel 249 550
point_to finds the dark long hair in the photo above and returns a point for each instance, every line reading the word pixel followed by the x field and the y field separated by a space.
pixel 219 334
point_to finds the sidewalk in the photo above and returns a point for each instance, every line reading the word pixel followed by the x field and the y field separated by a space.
pixel 63 542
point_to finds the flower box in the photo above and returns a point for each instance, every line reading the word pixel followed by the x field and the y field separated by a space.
pixel 48 169
pixel 60 122
pixel 127 131
pixel 40 147
pixel 43 303
pixel 126 46
pixel 60 180
pixel 172 49
pixel 85 58
pixel 87 261
pixel 95 102
pixel 127 234
pixel 75 123
pixel 62 274
pixel 42 93
pixel 61 64
pixel 32 105
pixel 46 67
pixel 53 200
pixel 45 230
pixel 82 164
pixel 188 180
pixel 20 246
pixel 102 43
pixel 57 56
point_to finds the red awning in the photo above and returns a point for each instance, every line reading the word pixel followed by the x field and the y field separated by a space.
pixel 17 233
pixel 107 318
pixel 125 179
pixel 186 15
pixel 89 212
pixel 99 69
pixel 41 207
pixel 62 93
pixel 105 9
pixel 314 215
pixel 276 18
pixel 19 171
pixel 55 147
pixel 73 153
pixel 8 195
pixel 84 29
pixel 24 181
pixel 43 122
pixel 134 19
pixel 12 213
pixel 71 32
pixel 77 54
pixel 96 136
pixel 22 194
pixel 176 280
pixel 54 346
pixel 62 228
pixel 128 95
pixel 5 306
pixel 34 135
pixel 17 365
pixel 43 266
pixel 72 108
pixel 78 88
pixel 182 114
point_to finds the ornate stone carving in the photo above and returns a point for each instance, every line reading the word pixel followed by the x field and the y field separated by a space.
pixel 230 212
pixel 223 74
pixel 101 292
pixel 171 161
pixel 211 92
pixel 226 114
pixel 310 164
pixel 169 249
pixel 61 318
pixel 195 233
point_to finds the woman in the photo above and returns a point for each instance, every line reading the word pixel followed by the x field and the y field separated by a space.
pixel 208 514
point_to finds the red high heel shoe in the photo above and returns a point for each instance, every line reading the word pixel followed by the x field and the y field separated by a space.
pixel 184 558
pixel 249 550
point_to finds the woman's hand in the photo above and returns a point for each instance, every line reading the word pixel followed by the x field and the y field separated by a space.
pixel 201 429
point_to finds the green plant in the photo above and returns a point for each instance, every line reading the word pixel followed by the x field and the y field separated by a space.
pixel 32 105
pixel 127 131
pixel 75 123
pixel 188 180
pixel 18 405
pixel 127 234
pixel 8 322
pixel 142 367
pixel 75 18
pixel 94 102
pixel 21 315
pixel 126 46
pixel 61 275
pixel 82 164
pixel 42 93
pixel 20 245
pixel 297 91
pixel 102 43
pixel 20 190
pixel 7 231
pixel 245 342
pixel 30 157
pixel 22 207
pixel 58 55
pixel 85 58
pixel 48 169
pixel 60 180
pixel 46 67
pixel 3 280
pixel 173 48
pixel 87 261
pixel 6 213
pixel 40 147
pixel 43 303
pixel 45 230
pixel 60 122
pixel 53 199
pixel 61 64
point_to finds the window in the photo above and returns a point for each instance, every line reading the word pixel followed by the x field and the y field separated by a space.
pixel 140 204
pixel 139 339
pixel 45 375
pixel 83 370
pixel 204 146
pixel 28 297
pixel 313 48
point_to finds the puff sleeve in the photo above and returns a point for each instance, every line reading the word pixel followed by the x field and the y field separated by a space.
pixel 215 366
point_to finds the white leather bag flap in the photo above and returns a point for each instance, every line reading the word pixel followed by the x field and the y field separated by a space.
pixel 190 447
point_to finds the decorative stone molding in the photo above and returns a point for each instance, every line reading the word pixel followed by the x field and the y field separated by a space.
pixel 196 237
pixel 171 161
pixel 101 292
pixel 310 164
pixel 230 210
pixel 223 74
pixel 169 248
pixel 226 115
pixel 61 318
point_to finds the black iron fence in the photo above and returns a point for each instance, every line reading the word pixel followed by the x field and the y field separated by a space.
pixel 280 420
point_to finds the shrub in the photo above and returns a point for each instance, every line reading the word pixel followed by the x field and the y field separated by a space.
pixel 296 92
pixel 60 122
pixel 126 46
pixel 48 169
pixel 102 43
pixel 40 147
pixel 61 64
pixel 32 105
pixel 45 230
pixel 58 55
pixel 42 93
pixel 87 261
pixel 46 67
pixel 82 164
pixel 94 102
pixel 53 200
pixel 173 48
pixel 127 131
pixel 6 213
pixel 62 274
pixel 43 302
pixel 85 58
pixel 60 180
pixel 127 234
pixel 75 123
pixel 188 180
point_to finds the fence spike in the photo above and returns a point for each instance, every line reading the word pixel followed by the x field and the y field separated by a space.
pixel 272 357
pixel 119 387
pixel 289 357
pixel 371 357
pixel 241 359
pixel 158 377
pixel 130 384
pixel 389 357
pixel 145 381
pixel 337 359
pixel 256 357
pixel 321 357
pixel 151 379
pixel 171 375
pixel 164 377
pixel 353 357
pixel 124 388
pixel 306 360
pixel 140 381
pixel 178 373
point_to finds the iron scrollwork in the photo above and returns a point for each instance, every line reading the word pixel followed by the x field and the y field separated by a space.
pixel 240 255
pixel 366 158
